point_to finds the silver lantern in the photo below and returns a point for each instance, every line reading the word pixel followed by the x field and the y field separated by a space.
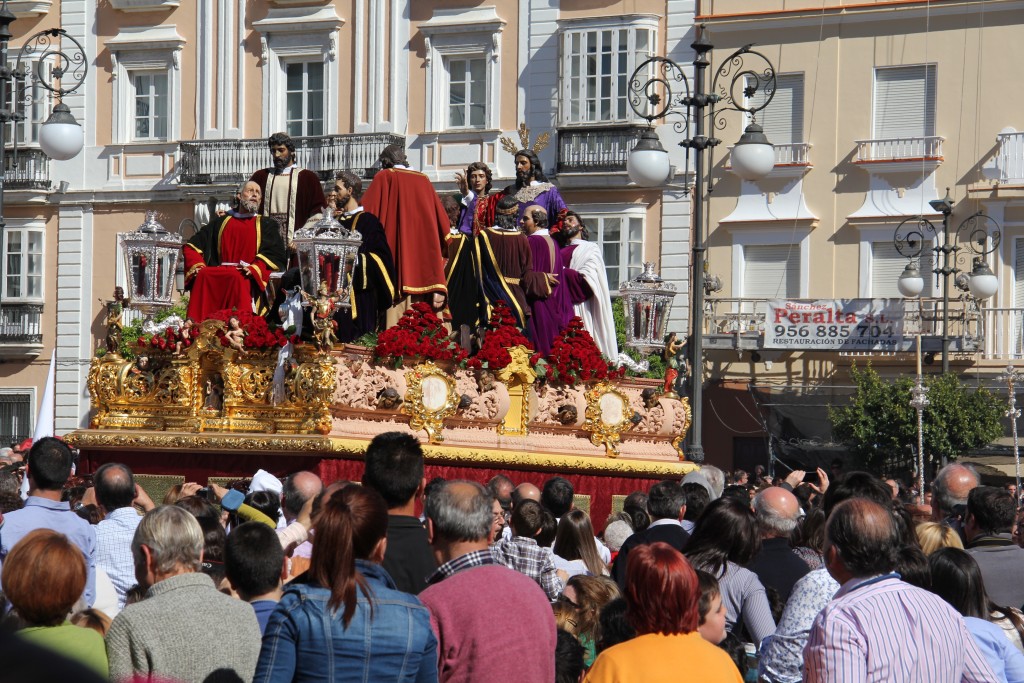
pixel 151 259
pixel 327 251
pixel 647 300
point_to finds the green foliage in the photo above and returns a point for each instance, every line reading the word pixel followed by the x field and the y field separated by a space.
pixel 879 424
pixel 369 340
pixel 657 360
pixel 131 333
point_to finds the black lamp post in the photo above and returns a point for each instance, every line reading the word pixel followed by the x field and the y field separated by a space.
pixel 60 136
pixel 651 97
pixel 983 238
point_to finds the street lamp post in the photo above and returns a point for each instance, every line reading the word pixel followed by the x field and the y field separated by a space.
pixel 983 237
pixel 734 87
pixel 1013 377
pixel 60 72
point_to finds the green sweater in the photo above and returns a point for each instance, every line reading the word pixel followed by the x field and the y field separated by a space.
pixel 82 645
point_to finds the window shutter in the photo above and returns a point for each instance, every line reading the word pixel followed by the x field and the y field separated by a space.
pixel 783 118
pixel 1018 274
pixel 771 271
pixel 887 265
pixel 904 102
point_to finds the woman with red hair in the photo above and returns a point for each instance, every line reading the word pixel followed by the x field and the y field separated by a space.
pixel 662 594
pixel 43 576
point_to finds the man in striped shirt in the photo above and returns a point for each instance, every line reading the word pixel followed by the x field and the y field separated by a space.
pixel 878 628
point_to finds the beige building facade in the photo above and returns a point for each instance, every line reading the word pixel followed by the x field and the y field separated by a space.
pixel 181 95
pixel 880 107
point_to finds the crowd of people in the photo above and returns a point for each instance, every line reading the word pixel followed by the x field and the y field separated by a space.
pixel 713 578
pixel 460 253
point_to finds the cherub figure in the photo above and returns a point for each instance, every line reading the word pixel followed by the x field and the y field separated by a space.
pixel 184 339
pixel 115 320
pixel 235 334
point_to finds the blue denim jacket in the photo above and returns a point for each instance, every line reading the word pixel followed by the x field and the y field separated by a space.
pixel 306 641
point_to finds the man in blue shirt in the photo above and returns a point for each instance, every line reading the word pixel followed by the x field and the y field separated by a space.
pixel 116 492
pixel 49 466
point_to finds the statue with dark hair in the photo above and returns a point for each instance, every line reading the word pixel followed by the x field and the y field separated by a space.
pixel 291 195
pixel 373 275
pixel 468 302
pixel 550 301
pixel 586 277
pixel 504 262
pixel 532 187
pixel 416 227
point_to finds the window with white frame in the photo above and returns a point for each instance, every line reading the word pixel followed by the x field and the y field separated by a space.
pixel 299 55
pixel 467 92
pixel 16 408
pixel 597 61
pixel 23 264
pixel 151 97
pixel 783 118
pixel 904 105
pixel 621 238
pixel 463 54
pixel 35 102
pixel 771 271
pixel 304 98
pixel 887 264
pixel 146 83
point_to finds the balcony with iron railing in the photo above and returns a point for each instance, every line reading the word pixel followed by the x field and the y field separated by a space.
pixel 993 334
pixel 32 171
pixel 208 162
pixel 596 150
pixel 927 148
pixel 21 329
pixel 1010 158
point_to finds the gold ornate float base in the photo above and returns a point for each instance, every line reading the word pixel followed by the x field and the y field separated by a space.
pixel 212 387
pixel 509 415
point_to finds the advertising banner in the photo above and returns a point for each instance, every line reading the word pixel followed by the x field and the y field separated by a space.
pixel 836 325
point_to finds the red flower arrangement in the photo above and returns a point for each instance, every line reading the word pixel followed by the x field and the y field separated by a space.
pixel 501 335
pixel 419 333
pixel 258 334
pixel 575 357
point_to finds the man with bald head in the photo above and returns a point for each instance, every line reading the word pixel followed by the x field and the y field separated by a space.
pixel 779 568
pixel 462 593
pixel 229 262
pixel 879 628
pixel 950 489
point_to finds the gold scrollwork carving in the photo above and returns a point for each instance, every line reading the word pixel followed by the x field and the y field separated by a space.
pixel 212 388
pixel 429 399
pixel 608 415
pixel 518 377
pixel 677 442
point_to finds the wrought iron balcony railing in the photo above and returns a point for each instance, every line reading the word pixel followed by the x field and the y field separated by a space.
pixel 21 324
pixel 206 162
pixel 32 171
pixel 596 150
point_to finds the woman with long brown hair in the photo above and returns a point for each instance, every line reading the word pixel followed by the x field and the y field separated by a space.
pixel 575 549
pixel 347 622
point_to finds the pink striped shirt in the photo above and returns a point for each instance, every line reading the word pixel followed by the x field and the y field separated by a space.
pixel 883 629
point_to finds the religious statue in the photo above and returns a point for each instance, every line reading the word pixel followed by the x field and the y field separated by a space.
pixel 184 339
pixel 115 320
pixel 324 306
pixel 235 334
pixel 675 364
pixel 214 393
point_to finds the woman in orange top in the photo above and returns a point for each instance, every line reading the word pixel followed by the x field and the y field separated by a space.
pixel 662 594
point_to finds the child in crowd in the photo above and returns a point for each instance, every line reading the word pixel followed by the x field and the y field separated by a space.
pixel 712 612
